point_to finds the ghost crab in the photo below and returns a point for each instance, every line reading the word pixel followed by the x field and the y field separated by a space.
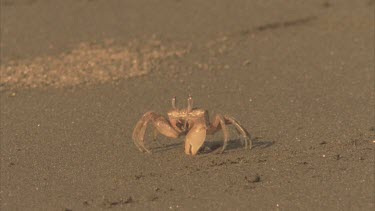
pixel 190 122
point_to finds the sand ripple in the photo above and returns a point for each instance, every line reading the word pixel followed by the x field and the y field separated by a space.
pixel 88 63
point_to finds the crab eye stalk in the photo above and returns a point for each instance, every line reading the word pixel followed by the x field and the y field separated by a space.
pixel 189 109
pixel 174 103
pixel 190 103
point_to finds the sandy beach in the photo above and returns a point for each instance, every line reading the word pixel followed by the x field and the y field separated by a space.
pixel 76 76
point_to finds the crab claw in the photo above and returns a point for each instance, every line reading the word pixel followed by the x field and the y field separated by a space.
pixel 195 139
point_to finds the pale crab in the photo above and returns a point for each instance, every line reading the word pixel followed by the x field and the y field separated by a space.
pixel 192 122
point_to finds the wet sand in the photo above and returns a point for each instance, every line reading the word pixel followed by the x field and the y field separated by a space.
pixel 299 76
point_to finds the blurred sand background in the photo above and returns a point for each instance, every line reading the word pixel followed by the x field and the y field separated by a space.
pixel 77 75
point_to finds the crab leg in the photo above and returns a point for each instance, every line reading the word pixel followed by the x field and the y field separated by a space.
pixel 218 123
pixel 155 134
pixel 139 132
pixel 159 122
pixel 241 130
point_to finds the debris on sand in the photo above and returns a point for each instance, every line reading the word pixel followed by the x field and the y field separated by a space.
pixel 109 204
pixel 253 178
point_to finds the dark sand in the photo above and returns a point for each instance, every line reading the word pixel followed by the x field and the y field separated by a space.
pixel 299 75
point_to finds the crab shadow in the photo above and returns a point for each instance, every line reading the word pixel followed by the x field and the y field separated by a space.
pixel 211 146
pixel 160 147
pixel 257 142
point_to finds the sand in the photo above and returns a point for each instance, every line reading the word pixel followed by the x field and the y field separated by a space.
pixel 76 76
